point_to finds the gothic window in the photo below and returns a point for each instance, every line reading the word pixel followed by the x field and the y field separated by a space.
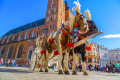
pixel 20 50
pixel 54 9
pixel 51 19
pixel 26 35
pixel 19 38
pixel 3 41
pixel 47 19
pixel 54 25
pixel 8 40
pixel 3 50
pixel 33 34
pixel 52 5
pixel 50 27
pixel 10 52
pixel 13 37
pixel 54 17
pixel 30 54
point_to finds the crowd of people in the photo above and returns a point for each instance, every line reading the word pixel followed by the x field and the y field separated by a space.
pixel 111 67
pixel 114 68
pixel 7 63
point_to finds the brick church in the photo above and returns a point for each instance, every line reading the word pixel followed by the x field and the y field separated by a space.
pixel 19 43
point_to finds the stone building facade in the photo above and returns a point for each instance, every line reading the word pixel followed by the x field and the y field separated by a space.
pixel 93 55
pixel 104 56
pixel 19 43
pixel 114 56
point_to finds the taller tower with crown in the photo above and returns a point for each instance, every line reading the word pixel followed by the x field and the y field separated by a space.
pixel 55 15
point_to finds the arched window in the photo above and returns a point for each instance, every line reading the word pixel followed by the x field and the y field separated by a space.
pixel 26 35
pixel 54 25
pixel 89 60
pixel 30 54
pixel 20 50
pixel 19 38
pixel 13 37
pixel 8 40
pixel 10 52
pixel 3 50
pixel 3 41
pixel 33 34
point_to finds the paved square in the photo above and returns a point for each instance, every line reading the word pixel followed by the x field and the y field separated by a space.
pixel 19 73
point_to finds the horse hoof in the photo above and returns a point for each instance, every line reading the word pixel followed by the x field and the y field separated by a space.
pixel 74 72
pixel 40 71
pixel 60 72
pixel 46 70
pixel 85 73
pixel 66 72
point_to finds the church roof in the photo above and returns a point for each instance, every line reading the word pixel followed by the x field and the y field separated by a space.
pixel 27 26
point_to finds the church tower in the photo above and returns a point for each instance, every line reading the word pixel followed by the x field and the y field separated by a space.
pixel 55 15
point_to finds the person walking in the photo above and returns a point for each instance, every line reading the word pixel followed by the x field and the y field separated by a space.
pixel 2 62
pixel 117 67
pixel 13 63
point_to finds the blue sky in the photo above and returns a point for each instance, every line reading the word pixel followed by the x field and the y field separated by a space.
pixel 105 13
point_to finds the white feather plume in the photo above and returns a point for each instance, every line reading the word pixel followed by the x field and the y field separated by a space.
pixel 77 7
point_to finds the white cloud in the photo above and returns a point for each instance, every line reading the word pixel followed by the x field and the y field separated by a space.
pixel 111 36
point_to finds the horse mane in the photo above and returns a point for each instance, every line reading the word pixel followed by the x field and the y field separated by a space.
pixel 70 23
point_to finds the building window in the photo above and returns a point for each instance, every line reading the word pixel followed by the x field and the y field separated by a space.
pixel 20 50
pixel 50 27
pixel 10 52
pixel 33 34
pixel 52 5
pixel 47 19
pixel 51 19
pixel 54 25
pixel 19 38
pixel 94 60
pixel 54 9
pixel 88 54
pixel 3 51
pixel 54 17
pixel 26 35
pixel 89 60
pixel 3 41
pixel 30 54
pixel 97 60
pixel 8 40
pixel 13 37
pixel 94 53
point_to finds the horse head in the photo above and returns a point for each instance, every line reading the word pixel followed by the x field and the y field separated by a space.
pixel 81 23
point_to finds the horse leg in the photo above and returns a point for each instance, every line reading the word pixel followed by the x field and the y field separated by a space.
pixel 60 60
pixel 46 62
pixel 66 71
pixel 42 60
pixel 73 66
pixel 83 60
pixel 83 68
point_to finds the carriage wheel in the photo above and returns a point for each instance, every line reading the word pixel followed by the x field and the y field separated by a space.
pixel 33 62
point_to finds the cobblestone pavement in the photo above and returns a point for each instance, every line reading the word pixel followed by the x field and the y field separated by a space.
pixel 19 73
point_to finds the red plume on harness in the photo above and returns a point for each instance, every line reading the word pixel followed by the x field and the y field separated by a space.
pixel 77 25
pixel 88 48
pixel 56 52
pixel 70 45
pixel 43 52
pixel 85 58
pixel 50 40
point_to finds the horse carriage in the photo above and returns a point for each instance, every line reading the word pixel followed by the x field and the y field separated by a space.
pixel 64 41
